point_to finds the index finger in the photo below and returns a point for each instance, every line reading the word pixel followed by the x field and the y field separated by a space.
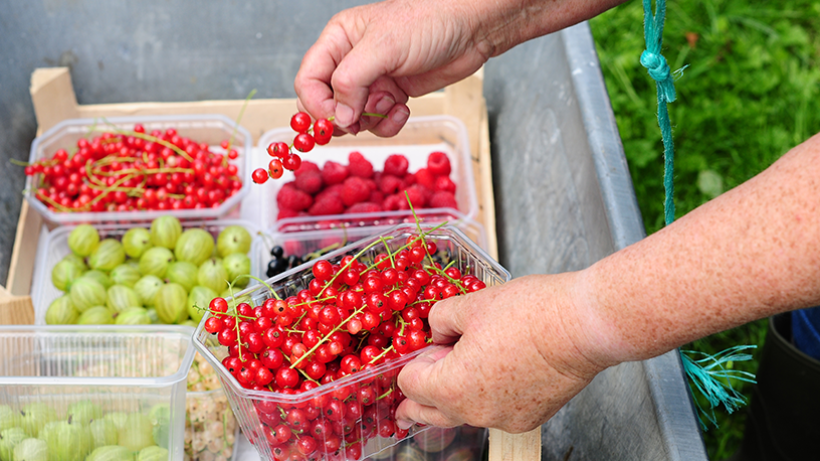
pixel 312 83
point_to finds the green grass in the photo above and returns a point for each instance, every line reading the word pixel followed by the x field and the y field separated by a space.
pixel 750 92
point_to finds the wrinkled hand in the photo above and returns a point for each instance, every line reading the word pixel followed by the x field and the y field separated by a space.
pixel 371 58
pixel 509 357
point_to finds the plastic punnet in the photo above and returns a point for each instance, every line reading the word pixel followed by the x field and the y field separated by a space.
pixel 258 411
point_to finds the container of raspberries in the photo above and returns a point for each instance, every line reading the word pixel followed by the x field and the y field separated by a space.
pixel 309 360
pixel 139 168
pixel 137 273
pixel 364 178
pixel 93 393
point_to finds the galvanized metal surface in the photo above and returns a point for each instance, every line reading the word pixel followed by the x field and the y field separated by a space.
pixel 561 179
pixel 564 199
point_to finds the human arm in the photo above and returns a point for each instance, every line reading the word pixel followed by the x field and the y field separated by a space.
pixel 373 57
pixel 525 348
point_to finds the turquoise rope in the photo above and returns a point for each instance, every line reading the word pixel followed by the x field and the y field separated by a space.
pixel 708 375
pixel 658 69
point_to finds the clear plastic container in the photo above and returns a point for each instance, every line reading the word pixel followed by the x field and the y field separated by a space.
pixel 314 243
pixel 211 129
pixel 53 248
pixel 419 137
pixel 258 410
pixel 132 376
pixel 211 431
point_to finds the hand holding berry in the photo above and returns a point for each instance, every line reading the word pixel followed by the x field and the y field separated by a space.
pixel 511 356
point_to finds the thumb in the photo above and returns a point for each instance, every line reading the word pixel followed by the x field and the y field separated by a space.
pixel 447 318
pixel 419 381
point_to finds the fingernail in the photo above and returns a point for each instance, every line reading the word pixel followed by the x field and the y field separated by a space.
pixel 344 115
pixel 404 425
pixel 384 105
pixel 401 116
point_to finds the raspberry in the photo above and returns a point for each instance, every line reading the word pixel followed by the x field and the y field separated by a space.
pixel 389 184
pixel 328 204
pixel 425 178
pixel 359 166
pixel 393 202
pixel 443 199
pixel 293 247
pixel 334 173
pixel 334 190
pixel 419 195
pixel 446 184
pixel 408 180
pixel 354 190
pixel 396 165
pixel 310 182
pixel 364 207
pixel 292 198
pixel 376 196
pixel 306 167
pixel 438 163
pixel 285 213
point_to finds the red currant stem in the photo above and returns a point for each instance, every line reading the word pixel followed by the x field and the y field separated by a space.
pixel 402 323
pixel 144 172
pixel 385 394
pixel 389 254
pixel 14 161
pixel 282 413
pixel 275 295
pixel 111 158
pixel 327 336
pixel 147 137
pixel 238 119
pixel 455 282
pixel 295 331
pixel 384 352
pixel 403 247
pixel 56 205
pixel 233 314
pixel 90 175
pixel 361 340
pixel 355 257
pixel 418 226
pixel 370 114
pixel 322 251
pixel 423 301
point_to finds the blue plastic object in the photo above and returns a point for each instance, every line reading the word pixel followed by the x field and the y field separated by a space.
pixel 806 331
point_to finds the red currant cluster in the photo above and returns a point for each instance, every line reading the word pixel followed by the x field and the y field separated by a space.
pixel 137 171
pixel 307 137
pixel 351 318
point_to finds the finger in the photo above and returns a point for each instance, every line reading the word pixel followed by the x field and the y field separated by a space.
pixel 351 80
pixel 447 318
pixel 383 102
pixel 420 380
pixel 410 412
pixel 312 82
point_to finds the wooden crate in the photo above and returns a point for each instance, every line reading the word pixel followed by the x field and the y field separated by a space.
pixel 54 100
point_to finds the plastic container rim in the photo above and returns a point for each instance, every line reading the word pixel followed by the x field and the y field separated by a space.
pixel 356 377
pixel 88 216
pixel 160 381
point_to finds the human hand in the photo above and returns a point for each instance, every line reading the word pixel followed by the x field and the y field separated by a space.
pixel 509 357
pixel 373 57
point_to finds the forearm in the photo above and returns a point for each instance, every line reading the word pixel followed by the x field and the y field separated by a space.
pixel 750 253
pixel 506 23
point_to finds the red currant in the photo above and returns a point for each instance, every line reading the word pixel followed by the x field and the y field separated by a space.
pixel 300 122
pixel 259 176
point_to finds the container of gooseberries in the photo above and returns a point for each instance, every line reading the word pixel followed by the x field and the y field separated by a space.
pixel 86 392
pixel 340 403
pixel 427 150
pixel 124 169
pixel 123 269
pixel 211 431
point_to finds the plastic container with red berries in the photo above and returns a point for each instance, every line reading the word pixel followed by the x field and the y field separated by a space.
pixel 364 177
pixel 139 168
pixel 340 403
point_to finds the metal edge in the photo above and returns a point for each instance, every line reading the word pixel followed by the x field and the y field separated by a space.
pixel 665 376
